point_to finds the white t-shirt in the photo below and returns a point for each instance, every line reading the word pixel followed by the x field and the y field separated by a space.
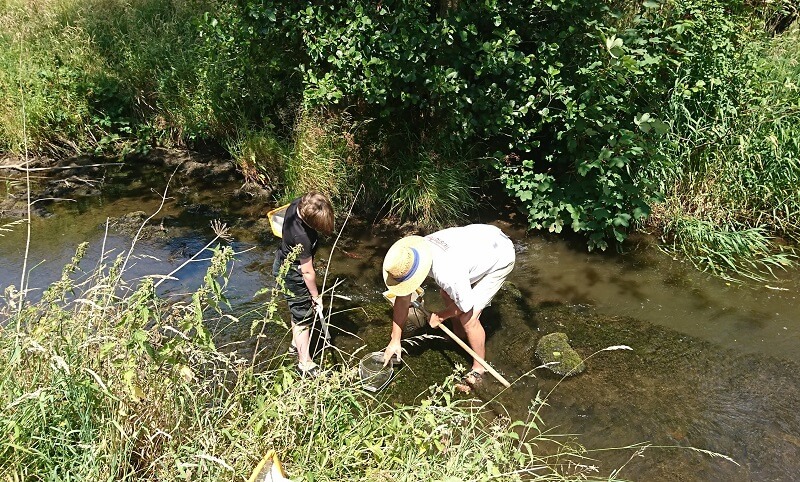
pixel 464 255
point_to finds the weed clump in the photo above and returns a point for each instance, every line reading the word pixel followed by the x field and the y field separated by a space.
pixel 105 381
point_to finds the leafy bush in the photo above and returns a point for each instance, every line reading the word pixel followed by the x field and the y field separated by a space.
pixel 571 134
pixel 590 108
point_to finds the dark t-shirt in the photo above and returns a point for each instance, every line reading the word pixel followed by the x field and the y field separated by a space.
pixel 295 232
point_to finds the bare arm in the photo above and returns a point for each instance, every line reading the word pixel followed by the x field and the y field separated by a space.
pixel 399 317
pixel 310 277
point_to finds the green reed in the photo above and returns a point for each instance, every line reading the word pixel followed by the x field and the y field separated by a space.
pixel 104 381
pixel 744 253
pixel 431 189
pixel 730 174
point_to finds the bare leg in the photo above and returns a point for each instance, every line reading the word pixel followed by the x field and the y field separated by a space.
pixel 468 325
pixel 301 337
pixel 458 329
pixel 476 337
pixel 450 306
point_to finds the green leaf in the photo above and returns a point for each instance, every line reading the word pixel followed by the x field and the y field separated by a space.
pixel 622 219
pixel 107 347
pixel 640 213
pixel 601 213
pixel 139 336
pixel 659 127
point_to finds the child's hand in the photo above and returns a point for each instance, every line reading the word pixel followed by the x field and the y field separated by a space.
pixel 318 307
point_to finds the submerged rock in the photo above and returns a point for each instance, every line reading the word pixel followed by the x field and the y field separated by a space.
pixel 554 348
pixel 132 223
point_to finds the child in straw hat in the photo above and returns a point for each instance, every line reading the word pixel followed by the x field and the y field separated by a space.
pixel 305 217
pixel 468 263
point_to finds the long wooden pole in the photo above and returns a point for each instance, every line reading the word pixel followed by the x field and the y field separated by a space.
pixel 466 347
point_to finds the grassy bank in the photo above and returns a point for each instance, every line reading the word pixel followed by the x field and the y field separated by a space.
pixel 104 381
pixel 100 76
pixel 730 177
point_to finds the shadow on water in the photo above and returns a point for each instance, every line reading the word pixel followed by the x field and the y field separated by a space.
pixel 713 366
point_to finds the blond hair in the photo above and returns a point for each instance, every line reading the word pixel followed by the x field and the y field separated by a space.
pixel 316 210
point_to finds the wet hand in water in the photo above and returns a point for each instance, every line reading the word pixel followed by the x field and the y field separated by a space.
pixel 392 351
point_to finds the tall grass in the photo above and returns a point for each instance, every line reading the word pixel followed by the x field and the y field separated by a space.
pixel 102 73
pixel 771 139
pixel 50 62
pixel 261 157
pixel 324 157
pixel 165 78
pixel 431 189
pixel 730 173
pixel 107 383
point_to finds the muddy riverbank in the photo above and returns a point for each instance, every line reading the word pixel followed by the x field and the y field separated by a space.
pixel 82 178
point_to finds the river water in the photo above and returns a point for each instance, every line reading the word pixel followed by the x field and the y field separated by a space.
pixel 713 366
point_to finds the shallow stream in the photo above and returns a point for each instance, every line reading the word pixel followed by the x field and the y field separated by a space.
pixel 714 366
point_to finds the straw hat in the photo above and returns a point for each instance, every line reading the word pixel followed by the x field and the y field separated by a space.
pixel 406 265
